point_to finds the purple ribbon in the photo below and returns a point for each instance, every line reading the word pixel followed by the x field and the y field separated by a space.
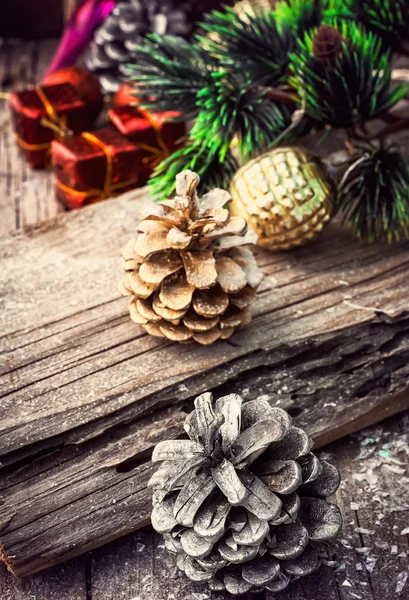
pixel 79 31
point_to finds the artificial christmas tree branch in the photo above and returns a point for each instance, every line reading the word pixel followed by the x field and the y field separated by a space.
pixel 332 58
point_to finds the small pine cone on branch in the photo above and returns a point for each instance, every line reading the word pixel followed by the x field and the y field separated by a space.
pixel 187 274
pixel 327 45
pixel 242 502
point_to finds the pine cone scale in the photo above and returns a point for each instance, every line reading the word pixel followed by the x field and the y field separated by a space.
pixel 254 441
pixel 210 303
pixel 260 571
pixel 253 533
pixel 151 242
pixel 166 313
pixel 194 545
pixel 176 293
pixel 228 482
pixel 176 333
pixel 144 308
pixel 135 315
pixel 137 286
pixel 291 540
pixel 210 519
pixel 200 269
pixel 282 476
pixel 235 554
pixel 262 502
pixel 159 265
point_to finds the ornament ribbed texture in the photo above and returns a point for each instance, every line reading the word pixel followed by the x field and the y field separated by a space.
pixel 286 196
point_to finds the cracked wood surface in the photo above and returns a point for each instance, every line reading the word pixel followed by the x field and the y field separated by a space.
pixel 84 390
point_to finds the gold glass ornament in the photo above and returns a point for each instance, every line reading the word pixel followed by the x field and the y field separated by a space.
pixel 286 195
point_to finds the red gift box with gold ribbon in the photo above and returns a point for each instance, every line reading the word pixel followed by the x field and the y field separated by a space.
pixel 42 114
pixel 155 134
pixel 93 166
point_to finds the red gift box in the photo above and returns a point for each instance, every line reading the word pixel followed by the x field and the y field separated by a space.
pixel 154 134
pixel 94 166
pixel 41 114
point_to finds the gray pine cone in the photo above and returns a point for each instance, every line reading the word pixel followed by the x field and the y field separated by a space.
pixel 126 27
pixel 242 503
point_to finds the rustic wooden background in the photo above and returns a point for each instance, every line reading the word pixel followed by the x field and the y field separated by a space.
pixel 373 553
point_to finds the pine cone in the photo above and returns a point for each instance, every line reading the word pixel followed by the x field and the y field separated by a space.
pixel 242 503
pixel 188 276
pixel 327 45
pixel 115 40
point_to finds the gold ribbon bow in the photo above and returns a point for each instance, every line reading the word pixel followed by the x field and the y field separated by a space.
pixel 159 153
pixel 109 188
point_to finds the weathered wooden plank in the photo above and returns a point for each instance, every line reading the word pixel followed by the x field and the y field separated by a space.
pixel 103 484
pixel 27 196
pixel 329 342
pixel 304 295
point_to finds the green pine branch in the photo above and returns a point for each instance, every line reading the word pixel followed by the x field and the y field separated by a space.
pixel 354 88
pixel 242 86
pixel 213 172
pixel 301 16
pixel 230 110
pixel 168 72
pixel 249 44
pixel 374 195
pixel 388 19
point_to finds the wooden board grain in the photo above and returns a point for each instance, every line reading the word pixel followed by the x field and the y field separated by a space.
pixel 84 391
pixel 27 196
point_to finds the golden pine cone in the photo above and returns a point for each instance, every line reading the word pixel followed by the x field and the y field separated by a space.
pixel 187 274
pixel 286 195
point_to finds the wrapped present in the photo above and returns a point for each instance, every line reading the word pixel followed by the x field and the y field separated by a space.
pixel 154 134
pixel 93 166
pixel 41 114
pixel 84 82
